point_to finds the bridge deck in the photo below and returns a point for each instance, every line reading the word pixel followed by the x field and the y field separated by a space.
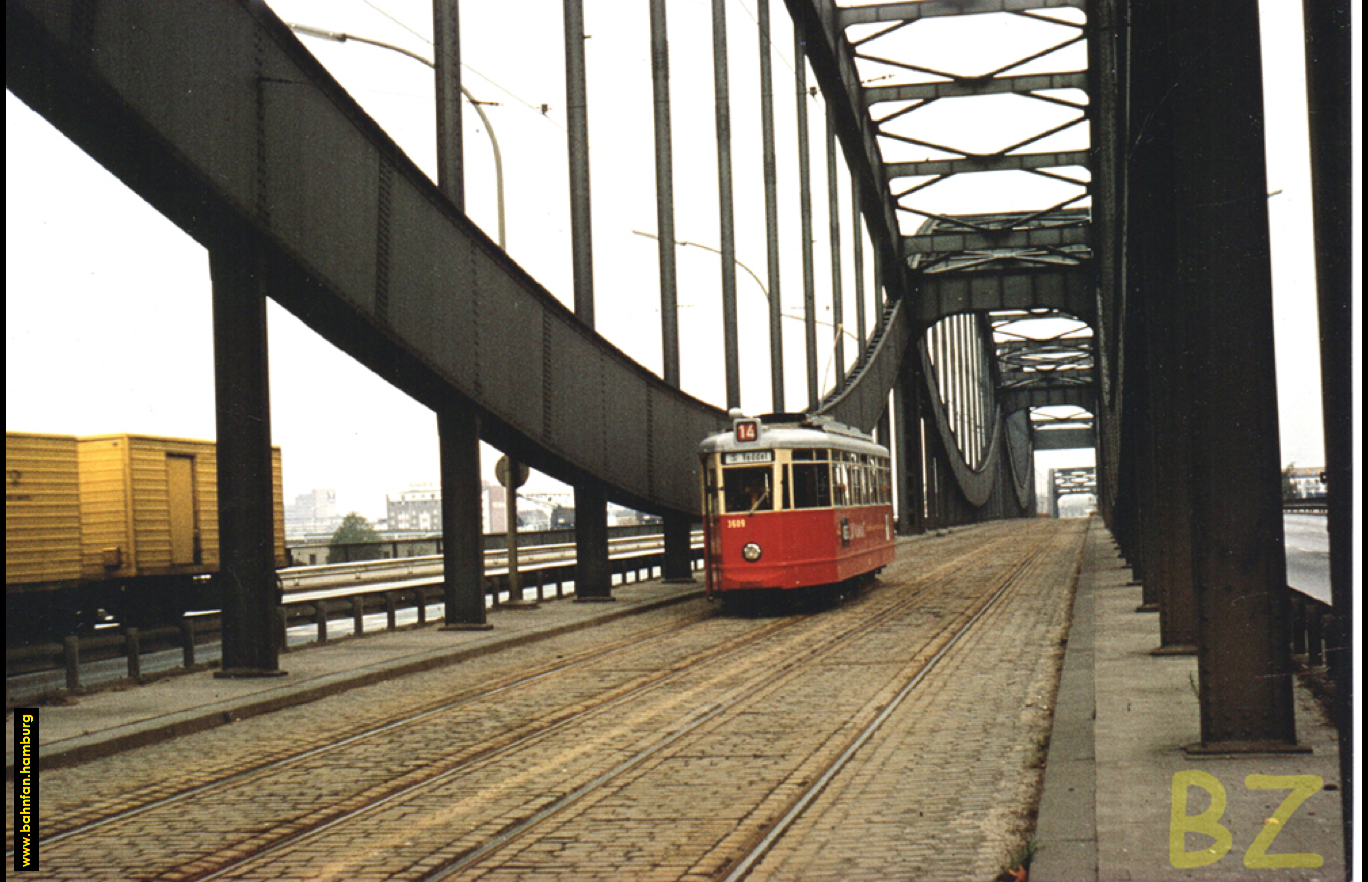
pixel 656 738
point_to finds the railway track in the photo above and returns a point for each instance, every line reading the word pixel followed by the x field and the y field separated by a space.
pixel 630 705
pixel 294 580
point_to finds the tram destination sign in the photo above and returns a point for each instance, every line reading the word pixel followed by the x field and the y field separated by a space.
pixel 748 456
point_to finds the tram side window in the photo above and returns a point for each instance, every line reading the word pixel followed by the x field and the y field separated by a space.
pixel 811 486
pixel 748 489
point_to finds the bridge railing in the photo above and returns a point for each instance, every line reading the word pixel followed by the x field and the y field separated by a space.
pixel 196 630
pixel 321 553
pixel 1312 626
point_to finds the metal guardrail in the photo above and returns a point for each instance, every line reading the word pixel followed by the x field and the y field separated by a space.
pixel 323 553
pixel 1307 506
pixel 1313 627
pixel 196 630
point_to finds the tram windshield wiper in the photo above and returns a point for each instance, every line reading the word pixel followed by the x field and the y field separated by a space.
pixel 763 497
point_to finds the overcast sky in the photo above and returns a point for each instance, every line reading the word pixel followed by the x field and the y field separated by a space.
pixel 108 307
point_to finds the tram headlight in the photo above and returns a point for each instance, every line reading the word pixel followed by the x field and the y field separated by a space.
pixel 751 552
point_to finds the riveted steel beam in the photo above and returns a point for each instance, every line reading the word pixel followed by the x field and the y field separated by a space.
pixel 920 9
pixel 1048 396
pixel 1064 439
pixel 942 294
pixel 1000 162
pixel 969 86
pixel 1035 237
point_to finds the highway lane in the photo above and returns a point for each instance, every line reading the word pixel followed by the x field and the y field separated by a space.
pixel 1308 554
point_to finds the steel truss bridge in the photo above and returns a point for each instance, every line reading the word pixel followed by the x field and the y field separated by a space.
pixel 1126 281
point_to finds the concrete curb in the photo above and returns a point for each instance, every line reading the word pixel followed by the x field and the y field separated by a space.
pixel 1067 821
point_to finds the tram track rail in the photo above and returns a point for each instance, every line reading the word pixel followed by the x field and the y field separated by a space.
pixel 708 715
pixel 543 727
pixel 743 866
pixel 465 698
pixel 940 577
pixel 546 731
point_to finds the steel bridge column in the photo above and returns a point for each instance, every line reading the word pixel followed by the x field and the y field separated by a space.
pixel 593 575
pixel 857 228
pixel 664 170
pixel 1329 80
pixel 458 427
pixel 247 576
pixel 907 415
pixel 577 124
pixel 771 209
pixel 678 565
pixel 1224 276
pixel 1170 567
pixel 722 108
pixel 834 224
pixel 1137 455
pixel 458 433
pixel 678 549
pixel 960 375
pixel 805 211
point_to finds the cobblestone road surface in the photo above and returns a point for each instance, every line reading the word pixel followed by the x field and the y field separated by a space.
pixel 662 746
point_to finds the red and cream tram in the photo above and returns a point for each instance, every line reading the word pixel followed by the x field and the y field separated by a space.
pixel 792 502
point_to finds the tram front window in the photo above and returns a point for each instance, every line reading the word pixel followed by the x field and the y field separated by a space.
pixel 748 489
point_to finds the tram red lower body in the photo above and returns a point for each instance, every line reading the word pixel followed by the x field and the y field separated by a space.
pixel 797 548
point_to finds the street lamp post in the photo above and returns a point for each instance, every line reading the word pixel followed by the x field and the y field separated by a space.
pixel 775 351
pixel 341 37
pixel 511 499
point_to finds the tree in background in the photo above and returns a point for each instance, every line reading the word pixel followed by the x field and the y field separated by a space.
pixel 354 529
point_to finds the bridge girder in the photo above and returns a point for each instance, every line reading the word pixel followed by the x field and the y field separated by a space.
pixel 356 240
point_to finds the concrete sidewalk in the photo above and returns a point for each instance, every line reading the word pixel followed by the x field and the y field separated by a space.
pixel 104 723
pixel 1118 783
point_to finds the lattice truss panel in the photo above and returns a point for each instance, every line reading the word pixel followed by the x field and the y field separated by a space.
pixel 1069 482
pixel 981 109
pixel 1045 363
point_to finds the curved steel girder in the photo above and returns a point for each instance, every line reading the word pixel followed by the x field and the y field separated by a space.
pixel 1019 456
pixel 1067 290
pixel 977 486
pixel 246 135
pixel 1084 397
pixel 864 398
pixel 833 62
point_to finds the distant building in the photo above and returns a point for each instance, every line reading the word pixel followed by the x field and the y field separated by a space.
pixel 419 509
pixel 1308 482
pixel 312 512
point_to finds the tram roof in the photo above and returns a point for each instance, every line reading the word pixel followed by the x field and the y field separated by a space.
pixel 788 431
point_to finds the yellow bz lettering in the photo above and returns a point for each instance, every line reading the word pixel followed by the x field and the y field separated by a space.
pixel 1208 823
